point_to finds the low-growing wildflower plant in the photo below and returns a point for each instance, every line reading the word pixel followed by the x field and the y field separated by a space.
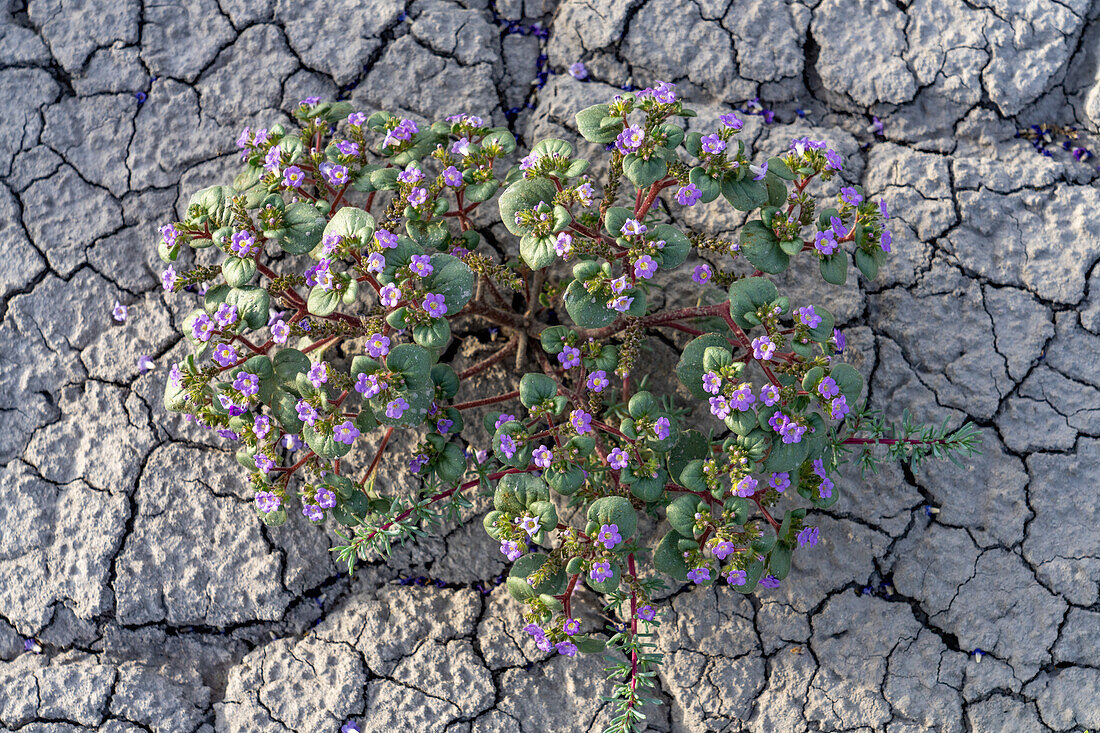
pixel 297 364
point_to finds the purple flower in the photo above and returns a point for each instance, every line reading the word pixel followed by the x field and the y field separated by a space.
pixel 267 501
pixel 746 487
pixel 279 332
pixel 699 575
pixel 263 463
pixel 723 549
pixel 376 263
pixel 618 458
pixel 647 613
pixel 351 726
pixel 507 445
pixel 837 224
pixel 169 234
pixel 247 384
pixel 293 176
pixel 313 512
pixel 839 340
pixel 876 125
pixel 586 193
pixel 168 278
pixel 569 357
pixel 510 550
pixel 443 425
pixel 618 285
pixel 385 238
pixel 769 393
pixel 32 645
pixel 661 428
pixel 571 626
pixel 838 408
pixel 886 240
pixel 825 490
pixel 712 382
pixel 850 196
pixel 378 345
pixel 630 139
pixel 620 304
pixel 224 355
pixel 633 227
pixel 241 243
pixel 230 406
pixel 809 316
pixel 412 175
pixel 702 274
pixel 759 170
pixel 389 295
pixel 144 364
pixel 736 577
pixel 563 244
pixel 434 305
pixel 542 642
pixel 404 131
pixel 461 147
pixel 272 160
pixel 719 407
pixel 292 442
pixel 261 426
pixel 731 120
pixel 780 482
pixel 529 524
pixel 119 312
pixel 825 242
pixel 577 71
pixel 175 374
pixel 318 374
pixel 581 421
pixel 762 348
pixel 396 408
pixel 644 267
pixel 827 388
pixel 309 101
pixel 769 581
pixel 345 432
pixel 534 630
pixel 329 243
pixel 835 162
pixel 808 536
pixel 452 176
pixel 417 196
pixel 503 418
pixel 601 571
pixel 226 315
pixel 598 381
pixel 609 536
pixel 543 456
pixel 742 397
pixel 882 209
pixel 713 144
pixel 688 195
pixel 348 147
pixel 306 412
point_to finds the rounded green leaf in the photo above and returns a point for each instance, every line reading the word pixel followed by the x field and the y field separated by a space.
pixel 615 510
pixel 303 226
pixel 517 583
pixel 668 559
pixel 761 248
pixel 849 381
pixel 432 335
pixel 351 223
pixel 587 310
pixel 253 304
pixel 748 295
pixel 525 193
pixel 517 491
pixel 834 267
pixel 534 388
pixel 590 124
pixel 324 445
pixel 690 367
pixel 238 271
pixel 538 252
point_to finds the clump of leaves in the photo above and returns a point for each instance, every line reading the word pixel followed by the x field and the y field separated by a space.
pixel 298 364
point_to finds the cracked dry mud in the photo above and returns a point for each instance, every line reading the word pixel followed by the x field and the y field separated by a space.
pixel 127 543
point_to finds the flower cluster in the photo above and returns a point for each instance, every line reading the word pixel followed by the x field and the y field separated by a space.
pixel 334 273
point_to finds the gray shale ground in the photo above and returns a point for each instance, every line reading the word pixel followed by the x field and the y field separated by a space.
pixel 128 545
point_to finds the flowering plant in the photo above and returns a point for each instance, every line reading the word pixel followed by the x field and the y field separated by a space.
pixel 357 349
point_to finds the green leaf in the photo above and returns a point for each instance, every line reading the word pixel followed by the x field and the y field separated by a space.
pixel 445 379
pixel 615 218
pixel 744 194
pixel 849 381
pixel 824 330
pixel 552 146
pixel 869 262
pixel 834 267
pixel 589 123
pixel 648 488
pixel 534 388
pixel 538 252
pixel 303 226
pixel 502 138
pixel 553 339
pixel 517 491
pixel 748 295
pixel 213 206
pixel 777 189
pixel 777 166
pixel 692 445
pixel 676 249
pixel 452 279
pixel 289 363
pixel 384 179
pixel 432 335
pixel 517 578
pixel 668 559
pixel 253 304
pixel 589 645
pixel 587 310
pixel 351 224
pixel 710 187
pixel 577 167
pixel 615 510
pixel 786 457
pixel 521 457
pixel 680 514
pixel 565 481
pixel 324 445
pixel 477 192
pixel 761 248
pixel 752 578
pixel 238 271
pixel 284 408
pixel 525 193
pixel 642 172
pixel 431 235
pixel 779 560
pixel 323 302
pixel 690 367
pixel 791 247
